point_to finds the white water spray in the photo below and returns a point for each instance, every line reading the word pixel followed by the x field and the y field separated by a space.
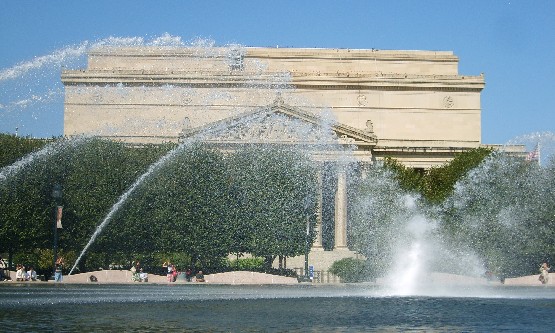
pixel 27 87
pixel 153 167
pixel 414 249
pixel 51 148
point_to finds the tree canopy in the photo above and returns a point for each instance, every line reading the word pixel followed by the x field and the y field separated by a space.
pixel 201 203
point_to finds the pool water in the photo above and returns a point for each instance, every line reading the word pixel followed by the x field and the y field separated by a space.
pixel 212 308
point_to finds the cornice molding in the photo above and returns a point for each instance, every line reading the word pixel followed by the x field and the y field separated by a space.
pixel 230 79
pixel 275 53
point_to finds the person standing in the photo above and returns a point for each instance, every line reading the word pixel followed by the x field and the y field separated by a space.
pixel 58 270
pixel 138 266
pixel 134 274
pixel 544 273
pixel 168 265
pixel 3 266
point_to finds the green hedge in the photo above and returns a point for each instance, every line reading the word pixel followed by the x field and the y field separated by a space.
pixel 351 270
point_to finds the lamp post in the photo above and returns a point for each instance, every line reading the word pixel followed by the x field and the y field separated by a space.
pixel 306 250
pixel 56 195
pixel 306 277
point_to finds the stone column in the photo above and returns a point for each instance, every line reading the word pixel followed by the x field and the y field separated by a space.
pixel 317 245
pixel 341 211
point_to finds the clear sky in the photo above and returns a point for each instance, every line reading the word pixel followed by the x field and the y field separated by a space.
pixel 512 42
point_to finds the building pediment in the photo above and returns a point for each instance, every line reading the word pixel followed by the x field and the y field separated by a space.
pixel 282 124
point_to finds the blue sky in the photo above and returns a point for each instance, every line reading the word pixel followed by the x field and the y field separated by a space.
pixel 511 42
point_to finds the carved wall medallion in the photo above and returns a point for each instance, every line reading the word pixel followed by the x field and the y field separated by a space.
pixel 98 97
pixel 185 100
pixel 369 126
pixel 186 123
pixel 362 100
pixel 448 102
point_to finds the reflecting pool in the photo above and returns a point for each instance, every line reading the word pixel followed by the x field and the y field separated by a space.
pixel 223 308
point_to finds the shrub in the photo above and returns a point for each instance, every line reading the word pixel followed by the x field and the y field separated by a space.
pixel 282 272
pixel 42 260
pixel 351 270
pixel 247 264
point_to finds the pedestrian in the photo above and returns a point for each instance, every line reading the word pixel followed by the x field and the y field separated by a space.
pixel 143 276
pixel 174 273
pixel 134 274
pixel 58 270
pixel 20 274
pixel 544 273
pixel 3 266
pixel 199 277
pixel 169 270
pixel 31 274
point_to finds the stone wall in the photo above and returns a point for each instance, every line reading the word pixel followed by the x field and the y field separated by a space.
pixel 412 99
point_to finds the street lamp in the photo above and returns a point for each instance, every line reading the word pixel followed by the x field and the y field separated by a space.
pixel 56 195
pixel 307 249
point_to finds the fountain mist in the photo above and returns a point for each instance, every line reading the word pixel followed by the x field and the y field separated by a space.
pixel 502 203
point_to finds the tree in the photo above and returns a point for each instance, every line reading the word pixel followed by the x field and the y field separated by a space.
pixel 439 182
pixel 409 179
pixel 179 208
pixel 200 202
pixel 92 173
pixel 277 198
pixel 26 206
pixel 378 216
pixel 14 147
pixel 381 211
pixel 501 211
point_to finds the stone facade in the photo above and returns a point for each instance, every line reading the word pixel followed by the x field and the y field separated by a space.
pixel 411 105
pixel 419 107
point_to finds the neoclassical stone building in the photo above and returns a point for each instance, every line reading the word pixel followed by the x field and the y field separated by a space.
pixel 411 105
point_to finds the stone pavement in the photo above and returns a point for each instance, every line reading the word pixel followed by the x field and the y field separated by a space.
pixel 239 277
pixel 245 278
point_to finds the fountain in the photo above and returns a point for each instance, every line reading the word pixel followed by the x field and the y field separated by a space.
pixel 122 199
pixel 420 249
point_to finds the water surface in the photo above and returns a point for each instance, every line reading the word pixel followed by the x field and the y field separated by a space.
pixel 211 308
